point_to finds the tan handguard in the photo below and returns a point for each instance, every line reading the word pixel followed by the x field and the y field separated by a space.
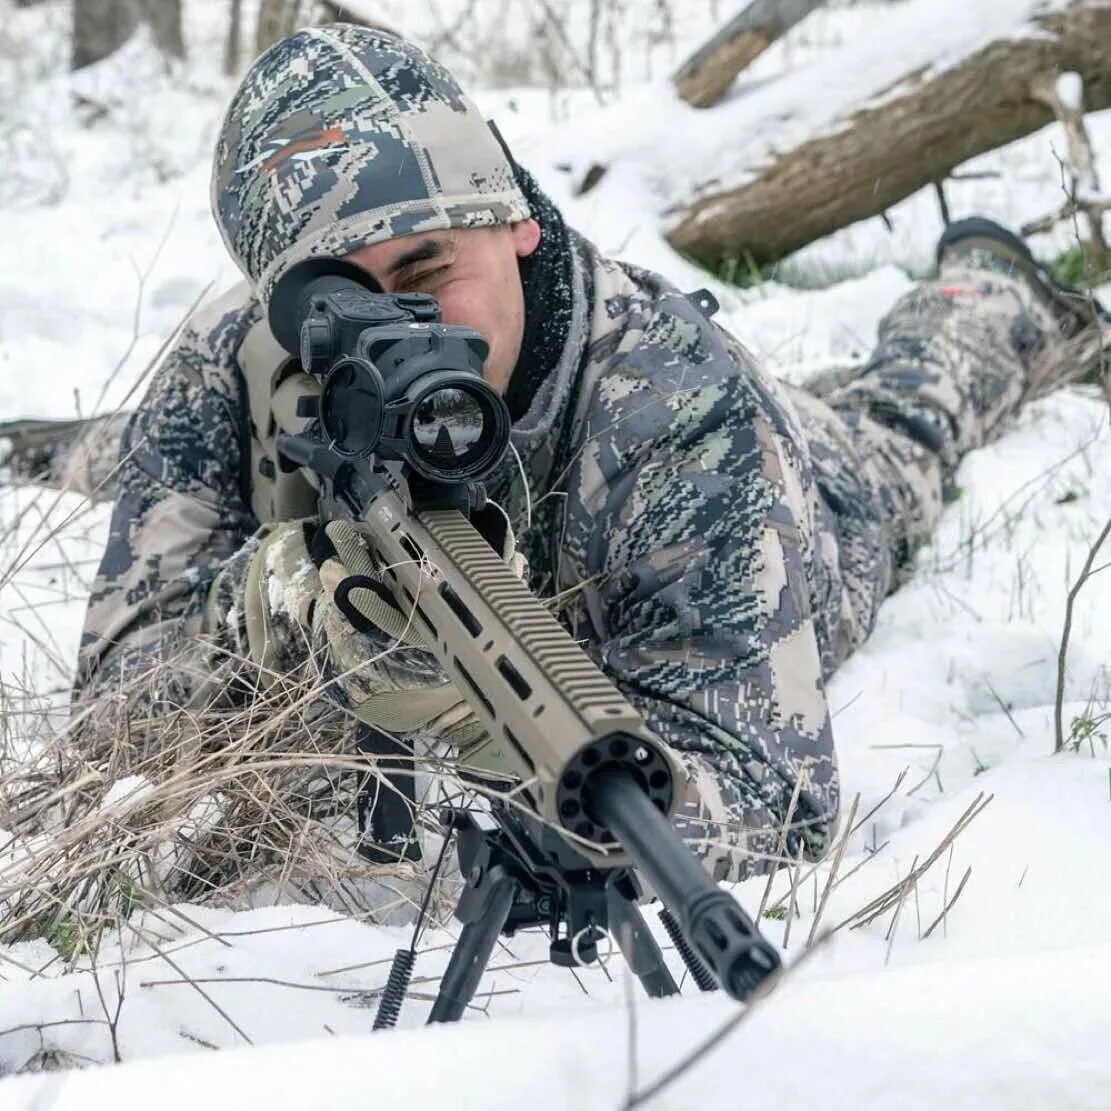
pixel 556 717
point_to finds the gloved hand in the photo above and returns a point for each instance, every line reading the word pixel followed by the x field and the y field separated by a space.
pixel 323 587
pixel 376 651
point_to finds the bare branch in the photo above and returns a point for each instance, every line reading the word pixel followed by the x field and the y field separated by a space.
pixel 704 78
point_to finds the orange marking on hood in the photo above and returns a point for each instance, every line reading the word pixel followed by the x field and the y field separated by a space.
pixel 314 141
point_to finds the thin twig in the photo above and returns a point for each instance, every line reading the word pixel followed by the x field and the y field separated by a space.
pixel 728 1027
pixel 1066 633
pixel 56 1022
pixel 202 993
pixel 945 887
pixel 898 910
pixel 792 900
pixel 1004 707
pixel 631 1024
pixel 839 853
pixel 783 831
pixel 885 901
pixel 949 905
pixel 884 801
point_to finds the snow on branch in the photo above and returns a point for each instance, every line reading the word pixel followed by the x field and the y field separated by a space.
pixel 876 152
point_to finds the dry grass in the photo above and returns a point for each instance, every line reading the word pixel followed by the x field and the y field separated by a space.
pixel 137 803
pixel 1083 357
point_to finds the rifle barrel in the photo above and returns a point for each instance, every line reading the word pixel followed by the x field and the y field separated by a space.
pixel 720 931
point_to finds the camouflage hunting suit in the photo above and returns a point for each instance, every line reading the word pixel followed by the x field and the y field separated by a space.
pixel 722 541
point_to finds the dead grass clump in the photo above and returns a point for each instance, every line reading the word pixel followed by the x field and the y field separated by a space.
pixel 140 804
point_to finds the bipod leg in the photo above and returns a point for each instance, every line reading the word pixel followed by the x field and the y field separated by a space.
pixel 639 947
pixel 472 952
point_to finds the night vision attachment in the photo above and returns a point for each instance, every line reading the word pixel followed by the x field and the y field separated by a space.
pixel 395 382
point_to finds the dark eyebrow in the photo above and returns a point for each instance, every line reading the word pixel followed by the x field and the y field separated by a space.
pixel 422 252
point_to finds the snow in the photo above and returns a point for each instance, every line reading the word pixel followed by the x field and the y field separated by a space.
pixel 1070 90
pixel 1000 1032
pixel 127 789
pixel 1002 1005
pixel 685 152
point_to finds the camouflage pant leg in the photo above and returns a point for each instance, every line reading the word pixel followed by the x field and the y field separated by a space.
pixel 77 455
pixel 951 364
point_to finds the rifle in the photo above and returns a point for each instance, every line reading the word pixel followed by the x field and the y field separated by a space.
pixel 401 429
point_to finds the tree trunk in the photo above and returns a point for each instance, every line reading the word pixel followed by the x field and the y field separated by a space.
pixel 101 27
pixel 234 38
pixel 276 20
pixel 876 156
pixel 164 18
pixel 703 79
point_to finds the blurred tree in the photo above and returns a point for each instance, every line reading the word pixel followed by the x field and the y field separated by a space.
pixel 164 19
pixel 276 19
pixel 232 42
pixel 705 77
pixel 101 27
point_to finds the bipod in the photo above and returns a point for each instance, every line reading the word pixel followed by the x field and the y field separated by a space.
pixel 521 875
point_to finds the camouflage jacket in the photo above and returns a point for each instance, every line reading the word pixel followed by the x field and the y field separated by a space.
pixel 670 503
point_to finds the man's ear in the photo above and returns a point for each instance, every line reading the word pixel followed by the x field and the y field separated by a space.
pixel 526 237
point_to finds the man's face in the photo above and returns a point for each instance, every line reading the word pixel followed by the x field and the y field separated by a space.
pixel 472 272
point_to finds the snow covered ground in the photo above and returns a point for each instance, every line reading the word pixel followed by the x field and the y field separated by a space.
pixel 946 714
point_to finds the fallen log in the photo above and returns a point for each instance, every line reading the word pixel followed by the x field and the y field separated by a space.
pixel 873 157
pixel 704 78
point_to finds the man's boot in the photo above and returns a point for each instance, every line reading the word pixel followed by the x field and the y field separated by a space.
pixel 1083 324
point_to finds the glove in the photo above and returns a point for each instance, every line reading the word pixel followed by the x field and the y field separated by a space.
pixel 279 593
pixel 319 590
pixel 377 654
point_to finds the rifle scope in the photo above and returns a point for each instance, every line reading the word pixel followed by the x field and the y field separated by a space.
pixel 396 383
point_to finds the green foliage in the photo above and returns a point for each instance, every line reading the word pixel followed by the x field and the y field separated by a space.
pixel 129 898
pixel 1074 266
pixel 73 938
pixel 68 938
pixel 1067 498
pixel 776 914
pixel 739 269
pixel 1086 729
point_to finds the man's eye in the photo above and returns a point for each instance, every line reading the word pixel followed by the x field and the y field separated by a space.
pixel 425 277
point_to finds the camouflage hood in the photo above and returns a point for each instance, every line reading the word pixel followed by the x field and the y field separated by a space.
pixel 342 136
